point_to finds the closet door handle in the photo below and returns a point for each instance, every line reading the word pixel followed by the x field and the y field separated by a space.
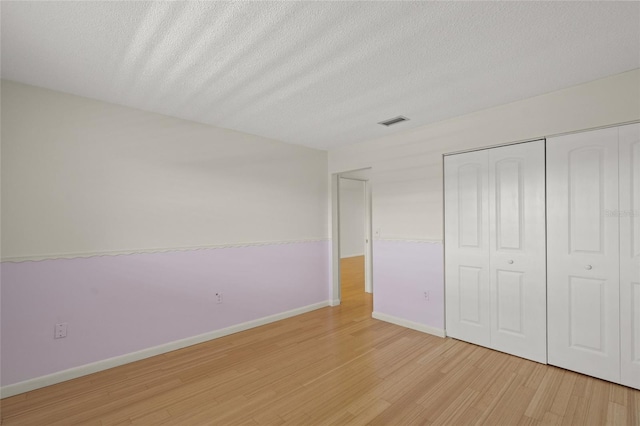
pixel 510 262
pixel 588 267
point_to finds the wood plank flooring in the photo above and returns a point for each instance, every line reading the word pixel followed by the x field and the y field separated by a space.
pixel 331 366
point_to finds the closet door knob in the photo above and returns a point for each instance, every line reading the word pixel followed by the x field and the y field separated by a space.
pixel 510 262
pixel 588 267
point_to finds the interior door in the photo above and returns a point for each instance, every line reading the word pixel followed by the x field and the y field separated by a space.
pixel 630 254
pixel 467 247
pixel 517 250
pixel 583 253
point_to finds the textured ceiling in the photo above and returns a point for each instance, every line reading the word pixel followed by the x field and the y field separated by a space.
pixel 315 73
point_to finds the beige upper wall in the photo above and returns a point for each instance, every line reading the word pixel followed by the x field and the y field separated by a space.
pixel 407 167
pixel 81 176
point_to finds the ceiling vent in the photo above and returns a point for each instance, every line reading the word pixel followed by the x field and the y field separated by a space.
pixel 394 120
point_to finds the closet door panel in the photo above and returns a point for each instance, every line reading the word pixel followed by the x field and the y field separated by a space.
pixel 517 250
pixel 466 247
pixel 630 254
pixel 583 253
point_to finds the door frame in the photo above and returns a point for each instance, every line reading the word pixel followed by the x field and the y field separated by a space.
pixel 335 233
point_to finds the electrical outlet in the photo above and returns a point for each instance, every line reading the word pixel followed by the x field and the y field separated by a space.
pixel 426 296
pixel 218 297
pixel 60 330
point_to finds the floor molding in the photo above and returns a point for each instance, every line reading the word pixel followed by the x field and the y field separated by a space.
pixel 408 324
pixel 351 255
pixel 83 370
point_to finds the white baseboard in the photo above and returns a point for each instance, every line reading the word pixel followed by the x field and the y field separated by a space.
pixel 83 370
pixel 408 324
pixel 347 256
pixel 335 302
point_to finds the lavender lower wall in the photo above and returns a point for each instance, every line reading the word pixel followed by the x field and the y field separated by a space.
pixel 402 272
pixel 116 305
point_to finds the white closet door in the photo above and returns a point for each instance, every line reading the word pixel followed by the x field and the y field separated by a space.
pixel 583 253
pixel 517 250
pixel 630 254
pixel 467 247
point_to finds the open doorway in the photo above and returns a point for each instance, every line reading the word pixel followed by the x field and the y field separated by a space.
pixel 352 237
pixel 352 246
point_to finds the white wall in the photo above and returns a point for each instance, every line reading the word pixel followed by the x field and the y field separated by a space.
pixel 406 179
pixel 407 167
pixel 352 218
pixel 82 177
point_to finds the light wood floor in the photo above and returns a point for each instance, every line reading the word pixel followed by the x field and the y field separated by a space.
pixel 330 366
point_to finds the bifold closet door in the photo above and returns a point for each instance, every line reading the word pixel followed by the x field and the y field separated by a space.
pixel 517 273
pixel 630 254
pixel 495 249
pixel 583 253
pixel 467 247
